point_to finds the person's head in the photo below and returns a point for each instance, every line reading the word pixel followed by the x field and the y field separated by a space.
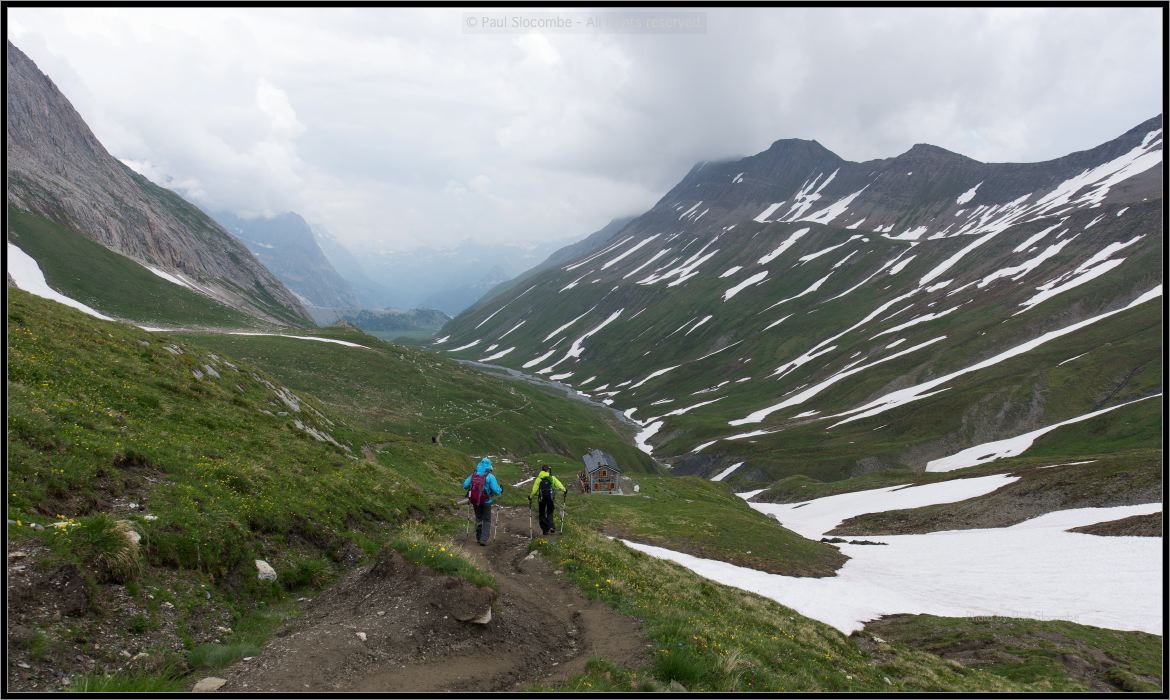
pixel 546 468
pixel 485 465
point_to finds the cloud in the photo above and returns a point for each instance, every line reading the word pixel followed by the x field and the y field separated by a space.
pixel 396 128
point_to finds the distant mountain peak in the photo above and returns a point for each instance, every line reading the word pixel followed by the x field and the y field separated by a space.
pixel 926 152
pixel 793 147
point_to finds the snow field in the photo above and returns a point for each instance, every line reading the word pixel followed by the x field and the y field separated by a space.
pixel 1036 569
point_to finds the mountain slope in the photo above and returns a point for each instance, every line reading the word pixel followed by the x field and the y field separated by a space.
pixel 217 460
pixel 57 169
pixel 96 276
pixel 286 246
pixel 587 245
pixel 803 314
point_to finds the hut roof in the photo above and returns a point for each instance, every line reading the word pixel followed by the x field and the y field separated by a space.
pixel 595 459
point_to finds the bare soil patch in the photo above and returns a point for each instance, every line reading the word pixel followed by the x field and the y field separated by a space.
pixel 1149 525
pixel 541 629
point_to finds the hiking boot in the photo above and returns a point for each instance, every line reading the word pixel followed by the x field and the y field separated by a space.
pixel 483 544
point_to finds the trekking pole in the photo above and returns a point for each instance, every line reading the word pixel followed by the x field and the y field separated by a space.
pixel 530 517
pixel 564 497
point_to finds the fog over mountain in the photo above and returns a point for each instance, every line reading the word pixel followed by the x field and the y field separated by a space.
pixel 399 130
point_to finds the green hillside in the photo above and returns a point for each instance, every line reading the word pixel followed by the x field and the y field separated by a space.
pixel 211 458
pixel 416 393
pixel 1121 363
pixel 111 283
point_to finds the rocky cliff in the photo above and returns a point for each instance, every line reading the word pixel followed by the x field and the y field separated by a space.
pixel 286 245
pixel 58 169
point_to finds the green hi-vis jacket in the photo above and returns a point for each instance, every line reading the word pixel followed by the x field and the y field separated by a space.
pixel 556 483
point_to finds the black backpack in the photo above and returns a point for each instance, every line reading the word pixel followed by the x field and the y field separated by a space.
pixel 546 490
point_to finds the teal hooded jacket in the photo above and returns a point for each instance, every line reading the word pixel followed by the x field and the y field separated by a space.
pixel 493 486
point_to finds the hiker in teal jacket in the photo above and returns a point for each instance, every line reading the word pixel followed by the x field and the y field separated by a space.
pixel 483 511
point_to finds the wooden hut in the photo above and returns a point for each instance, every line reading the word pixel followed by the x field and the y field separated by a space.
pixel 602 473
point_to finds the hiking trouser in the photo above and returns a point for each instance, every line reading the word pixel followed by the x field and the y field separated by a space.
pixel 547 508
pixel 483 521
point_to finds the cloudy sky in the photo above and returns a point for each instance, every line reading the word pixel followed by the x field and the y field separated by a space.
pixel 401 128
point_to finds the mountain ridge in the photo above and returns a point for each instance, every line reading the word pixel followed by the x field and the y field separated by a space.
pixel 767 253
pixel 57 168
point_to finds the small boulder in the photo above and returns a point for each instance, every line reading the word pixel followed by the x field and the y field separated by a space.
pixel 209 685
pixel 483 619
pixel 264 571
pixel 464 601
pixel 361 635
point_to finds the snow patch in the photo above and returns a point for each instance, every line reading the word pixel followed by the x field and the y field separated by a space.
pixel 1010 447
pixel 754 279
pixel 968 195
pixel 28 276
pixel 464 347
pixel 793 238
pixel 762 217
pixel 629 251
pixel 726 472
pixel 496 356
pixel 346 343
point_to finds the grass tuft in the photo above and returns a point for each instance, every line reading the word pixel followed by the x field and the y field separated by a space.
pixel 419 543
pixel 220 655
pixel 129 682
pixel 107 548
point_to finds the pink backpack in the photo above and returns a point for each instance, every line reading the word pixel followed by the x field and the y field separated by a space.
pixel 478 495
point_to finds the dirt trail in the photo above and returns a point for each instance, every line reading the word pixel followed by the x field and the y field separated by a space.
pixel 542 629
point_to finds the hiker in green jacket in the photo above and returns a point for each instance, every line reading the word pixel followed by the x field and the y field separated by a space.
pixel 543 488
